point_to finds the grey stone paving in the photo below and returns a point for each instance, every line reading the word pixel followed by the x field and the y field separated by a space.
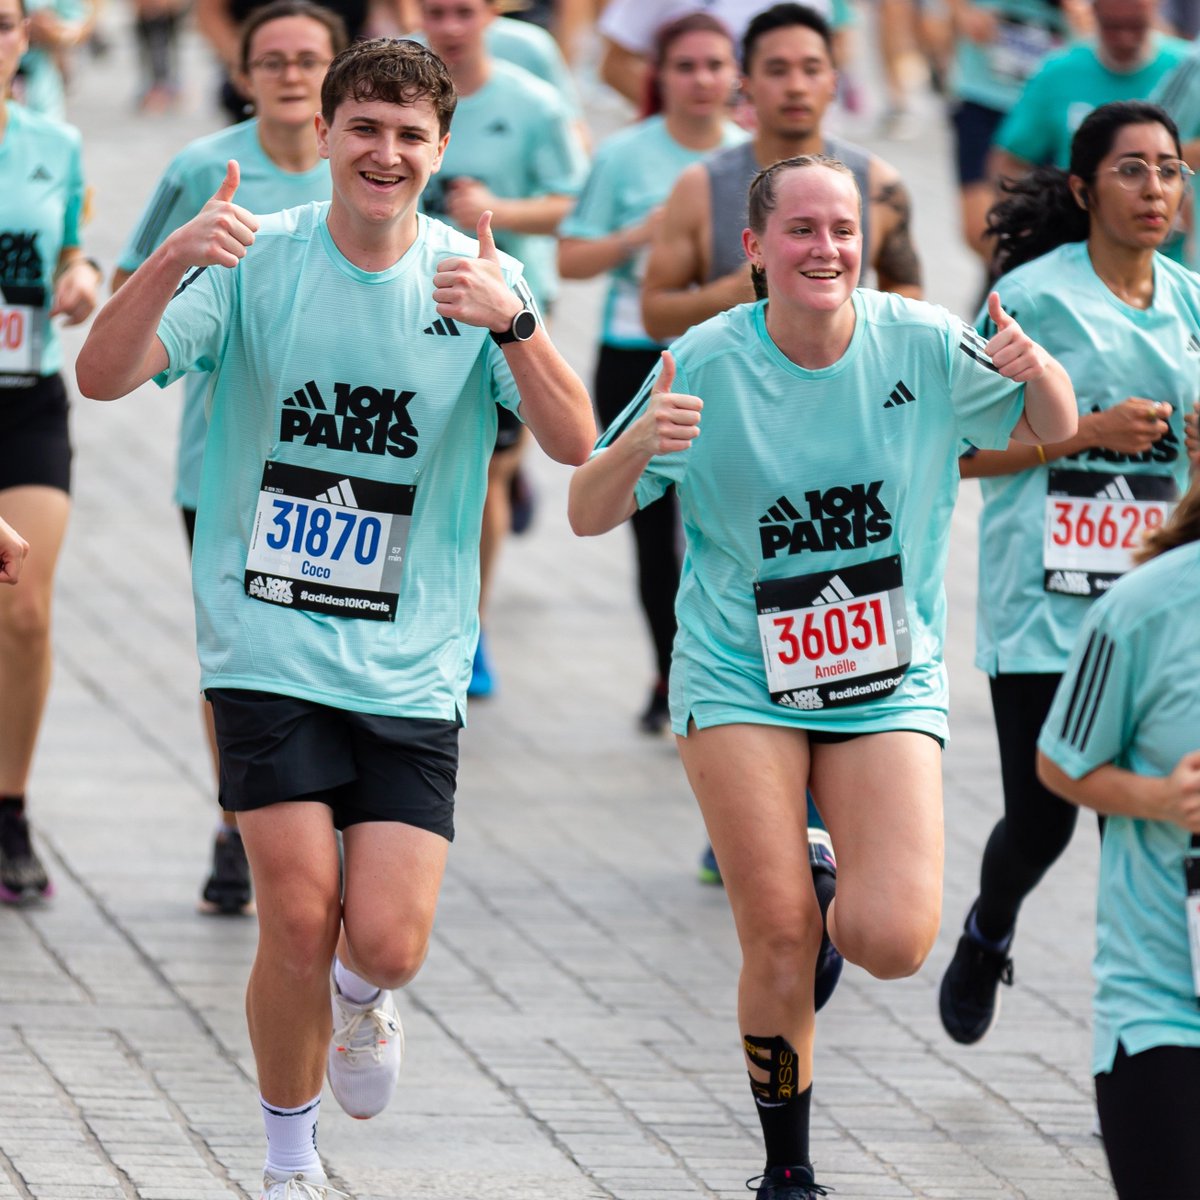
pixel 572 1035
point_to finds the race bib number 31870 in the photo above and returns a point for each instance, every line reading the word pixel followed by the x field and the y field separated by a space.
pixel 835 637
pixel 328 543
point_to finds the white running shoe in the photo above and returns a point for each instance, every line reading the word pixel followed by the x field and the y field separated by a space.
pixel 299 1187
pixel 365 1053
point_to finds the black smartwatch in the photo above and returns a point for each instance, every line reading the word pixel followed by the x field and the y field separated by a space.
pixel 523 327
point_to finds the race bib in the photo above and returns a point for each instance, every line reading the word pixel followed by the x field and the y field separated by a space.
pixel 1018 50
pixel 22 336
pixel 328 543
pixel 1095 521
pixel 836 637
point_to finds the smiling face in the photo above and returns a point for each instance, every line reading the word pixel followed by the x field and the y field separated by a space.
pixel 811 244
pixel 456 28
pixel 790 80
pixel 1137 218
pixel 286 62
pixel 697 75
pixel 381 156
pixel 13 42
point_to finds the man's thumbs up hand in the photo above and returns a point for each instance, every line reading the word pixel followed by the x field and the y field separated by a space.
pixel 220 232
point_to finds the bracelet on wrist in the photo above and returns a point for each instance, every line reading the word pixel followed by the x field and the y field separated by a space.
pixel 1041 453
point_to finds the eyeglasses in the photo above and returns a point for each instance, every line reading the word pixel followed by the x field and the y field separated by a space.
pixel 1134 173
pixel 276 65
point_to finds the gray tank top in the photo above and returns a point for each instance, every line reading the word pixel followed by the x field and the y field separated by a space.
pixel 729 175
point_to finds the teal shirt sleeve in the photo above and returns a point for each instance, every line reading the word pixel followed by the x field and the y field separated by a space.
pixel 1028 130
pixel 987 406
pixel 172 204
pixel 197 322
pixel 595 213
pixel 1088 723
pixel 73 213
pixel 1179 93
pixel 559 165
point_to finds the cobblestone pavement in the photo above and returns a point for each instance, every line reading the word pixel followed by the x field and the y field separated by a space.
pixel 572 1035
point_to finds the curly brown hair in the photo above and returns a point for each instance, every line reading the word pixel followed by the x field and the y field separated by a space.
pixel 395 70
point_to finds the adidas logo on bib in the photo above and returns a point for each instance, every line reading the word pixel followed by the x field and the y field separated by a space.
pixel 1072 583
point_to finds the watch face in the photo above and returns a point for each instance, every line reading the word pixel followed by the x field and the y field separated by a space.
pixel 524 324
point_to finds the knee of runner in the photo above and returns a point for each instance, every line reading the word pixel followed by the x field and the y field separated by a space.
pixel 893 948
pixel 392 959
pixel 303 937
pixel 26 623
pixel 784 955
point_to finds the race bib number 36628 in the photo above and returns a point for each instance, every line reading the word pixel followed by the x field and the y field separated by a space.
pixel 835 637
pixel 1095 520
pixel 328 543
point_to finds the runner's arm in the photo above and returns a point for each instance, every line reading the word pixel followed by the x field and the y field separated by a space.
pixel 624 71
pixel 673 297
pixel 585 258
pixel 1115 791
pixel 1132 427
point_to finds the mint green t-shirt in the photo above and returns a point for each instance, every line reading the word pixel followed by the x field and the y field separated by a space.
pixel 633 173
pixel 1071 83
pixel 188 183
pixel 1042 551
pixel 994 74
pixel 40 85
pixel 816 507
pixel 41 201
pixel 1130 697
pixel 516 136
pixel 1179 93
pixel 350 428
pixel 534 48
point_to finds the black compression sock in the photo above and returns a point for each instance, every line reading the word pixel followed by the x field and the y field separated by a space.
pixel 785 1130
pixel 782 1111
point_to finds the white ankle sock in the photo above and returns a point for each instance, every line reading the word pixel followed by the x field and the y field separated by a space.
pixel 353 987
pixel 292 1139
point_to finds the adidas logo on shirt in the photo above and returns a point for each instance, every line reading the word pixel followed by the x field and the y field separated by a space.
pixel 363 420
pixel 442 327
pixel 499 125
pixel 839 518
pixel 899 395
pixel 40 174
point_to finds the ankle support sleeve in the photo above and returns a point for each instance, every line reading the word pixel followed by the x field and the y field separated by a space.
pixel 776 1056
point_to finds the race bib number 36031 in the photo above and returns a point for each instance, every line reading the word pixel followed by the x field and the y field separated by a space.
pixel 836 637
pixel 328 543
pixel 1095 520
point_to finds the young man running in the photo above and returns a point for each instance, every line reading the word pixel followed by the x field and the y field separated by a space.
pixel 336 553
pixel 697 265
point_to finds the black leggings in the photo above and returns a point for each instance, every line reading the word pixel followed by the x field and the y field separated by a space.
pixel 619 375
pixel 1149 1107
pixel 1037 825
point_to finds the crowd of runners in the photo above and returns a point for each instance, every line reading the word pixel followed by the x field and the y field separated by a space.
pixel 786 444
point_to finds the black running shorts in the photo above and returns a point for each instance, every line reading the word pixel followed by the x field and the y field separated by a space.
pixel 35 448
pixel 365 767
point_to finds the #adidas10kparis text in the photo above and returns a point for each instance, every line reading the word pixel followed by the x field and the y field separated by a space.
pixel 364 419
pixel 839 518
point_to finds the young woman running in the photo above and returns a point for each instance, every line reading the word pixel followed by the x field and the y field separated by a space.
pixel 816 507
pixel 286 47
pixel 1127 746
pixel 43 275
pixel 1059 522
pixel 694 72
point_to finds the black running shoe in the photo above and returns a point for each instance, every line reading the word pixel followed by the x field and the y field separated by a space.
pixel 787 1183
pixel 23 878
pixel 969 999
pixel 656 717
pixel 227 890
